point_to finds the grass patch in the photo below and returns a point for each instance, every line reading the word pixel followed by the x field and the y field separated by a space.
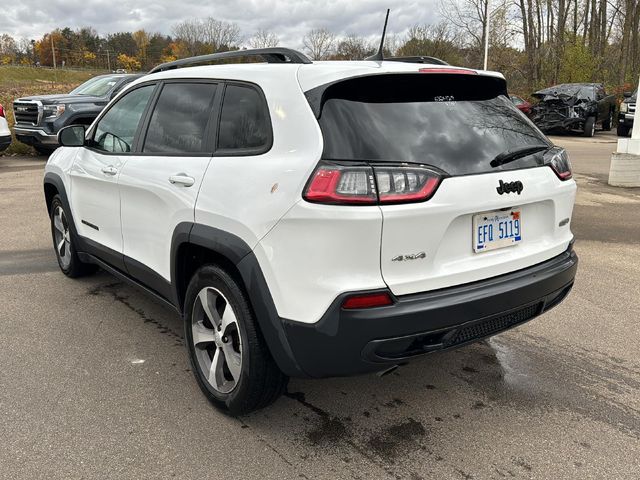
pixel 16 82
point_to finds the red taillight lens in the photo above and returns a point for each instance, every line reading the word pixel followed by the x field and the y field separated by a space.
pixel 367 300
pixel 558 160
pixel 2 112
pixel 342 184
pixel 405 184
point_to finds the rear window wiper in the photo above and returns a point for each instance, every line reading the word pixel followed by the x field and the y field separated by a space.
pixel 516 153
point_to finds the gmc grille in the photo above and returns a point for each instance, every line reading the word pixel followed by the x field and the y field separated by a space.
pixel 27 113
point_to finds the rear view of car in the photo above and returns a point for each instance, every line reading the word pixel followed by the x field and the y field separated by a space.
pixel 436 179
pixel 5 133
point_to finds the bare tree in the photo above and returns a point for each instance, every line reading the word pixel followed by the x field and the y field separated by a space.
pixel 318 43
pixel 353 47
pixel 220 35
pixel 207 36
pixel 264 39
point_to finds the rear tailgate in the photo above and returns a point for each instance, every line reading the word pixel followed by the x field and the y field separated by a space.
pixel 491 161
pixel 442 228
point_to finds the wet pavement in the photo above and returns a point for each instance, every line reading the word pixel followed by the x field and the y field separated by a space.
pixel 95 381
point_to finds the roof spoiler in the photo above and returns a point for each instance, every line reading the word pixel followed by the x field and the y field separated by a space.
pixel 427 60
pixel 269 55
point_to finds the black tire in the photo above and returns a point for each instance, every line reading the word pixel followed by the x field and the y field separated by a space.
pixel 46 151
pixel 67 256
pixel 590 127
pixel 623 131
pixel 608 122
pixel 260 380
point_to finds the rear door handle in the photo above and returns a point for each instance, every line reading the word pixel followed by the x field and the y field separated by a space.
pixel 110 170
pixel 182 179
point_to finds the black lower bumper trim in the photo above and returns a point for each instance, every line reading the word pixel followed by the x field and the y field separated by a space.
pixel 346 342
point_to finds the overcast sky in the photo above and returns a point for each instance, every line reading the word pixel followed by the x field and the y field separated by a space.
pixel 289 19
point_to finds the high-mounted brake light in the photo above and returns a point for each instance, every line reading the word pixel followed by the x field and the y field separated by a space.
pixel 558 160
pixel 348 184
pixel 367 300
pixel 459 71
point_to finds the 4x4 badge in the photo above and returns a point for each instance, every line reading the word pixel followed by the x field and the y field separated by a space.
pixel 413 256
pixel 510 187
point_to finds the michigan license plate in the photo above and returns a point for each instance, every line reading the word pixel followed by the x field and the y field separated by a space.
pixel 498 229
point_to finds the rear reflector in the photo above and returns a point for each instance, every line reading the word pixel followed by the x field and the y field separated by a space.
pixel 367 300
pixel 357 184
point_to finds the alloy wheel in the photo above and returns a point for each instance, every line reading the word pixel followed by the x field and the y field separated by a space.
pixel 216 338
pixel 62 237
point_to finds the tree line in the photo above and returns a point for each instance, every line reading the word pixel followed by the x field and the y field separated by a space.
pixel 534 43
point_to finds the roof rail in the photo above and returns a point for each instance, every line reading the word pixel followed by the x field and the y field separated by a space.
pixel 429 60
pixel 270 55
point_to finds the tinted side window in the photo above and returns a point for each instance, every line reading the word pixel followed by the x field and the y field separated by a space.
pixel 244 122
pixel 180 118
pixel 115 131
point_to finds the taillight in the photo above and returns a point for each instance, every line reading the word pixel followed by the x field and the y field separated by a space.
pixel 2 112
pixel 405 184
pixel 367 300
pixel 558 160
pixel 346 184
pixel 342 184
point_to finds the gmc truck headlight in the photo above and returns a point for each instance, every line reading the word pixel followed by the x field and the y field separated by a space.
pixel 53 111
pixel 624 107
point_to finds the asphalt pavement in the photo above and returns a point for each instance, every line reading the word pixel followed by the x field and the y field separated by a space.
pixel 95 381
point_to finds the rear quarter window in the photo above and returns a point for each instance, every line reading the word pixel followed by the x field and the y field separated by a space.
pixel 245 126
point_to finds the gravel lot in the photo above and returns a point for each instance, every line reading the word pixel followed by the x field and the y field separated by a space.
pixel 95 382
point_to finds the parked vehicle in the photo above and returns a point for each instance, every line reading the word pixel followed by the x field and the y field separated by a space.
pixel 5 133
pixel 521 104
pixel 627 113
pixel 574 107
pixel 250 198
pixel 40 118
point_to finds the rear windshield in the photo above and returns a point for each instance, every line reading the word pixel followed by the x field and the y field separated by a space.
pixel 456 123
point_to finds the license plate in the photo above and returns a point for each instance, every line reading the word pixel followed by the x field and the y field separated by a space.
pixel 498 229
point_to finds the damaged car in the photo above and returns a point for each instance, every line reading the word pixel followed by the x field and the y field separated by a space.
pixel 574 107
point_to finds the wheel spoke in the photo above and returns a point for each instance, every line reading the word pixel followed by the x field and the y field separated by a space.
pixel 228 318
pixel 209 308
pixel 233 359
pixel 202 335
pixel 60 245
pixel 216 372
pixel 57 223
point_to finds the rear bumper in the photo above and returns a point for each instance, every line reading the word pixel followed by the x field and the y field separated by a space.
pixel 346 342
pixel 35 137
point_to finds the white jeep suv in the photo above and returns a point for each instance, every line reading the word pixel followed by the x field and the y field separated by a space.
pixel 317 219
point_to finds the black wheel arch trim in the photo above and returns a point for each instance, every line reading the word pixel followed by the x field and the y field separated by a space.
pixel 238 253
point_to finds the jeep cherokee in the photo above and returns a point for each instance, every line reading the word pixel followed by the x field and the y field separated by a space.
pixel 317 219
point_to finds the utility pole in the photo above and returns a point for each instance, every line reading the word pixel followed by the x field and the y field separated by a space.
pixel 108 60
pixel 53 51
pixel 486 33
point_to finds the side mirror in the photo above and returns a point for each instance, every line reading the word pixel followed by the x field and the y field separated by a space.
pixel 72 136
pixel 627 94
